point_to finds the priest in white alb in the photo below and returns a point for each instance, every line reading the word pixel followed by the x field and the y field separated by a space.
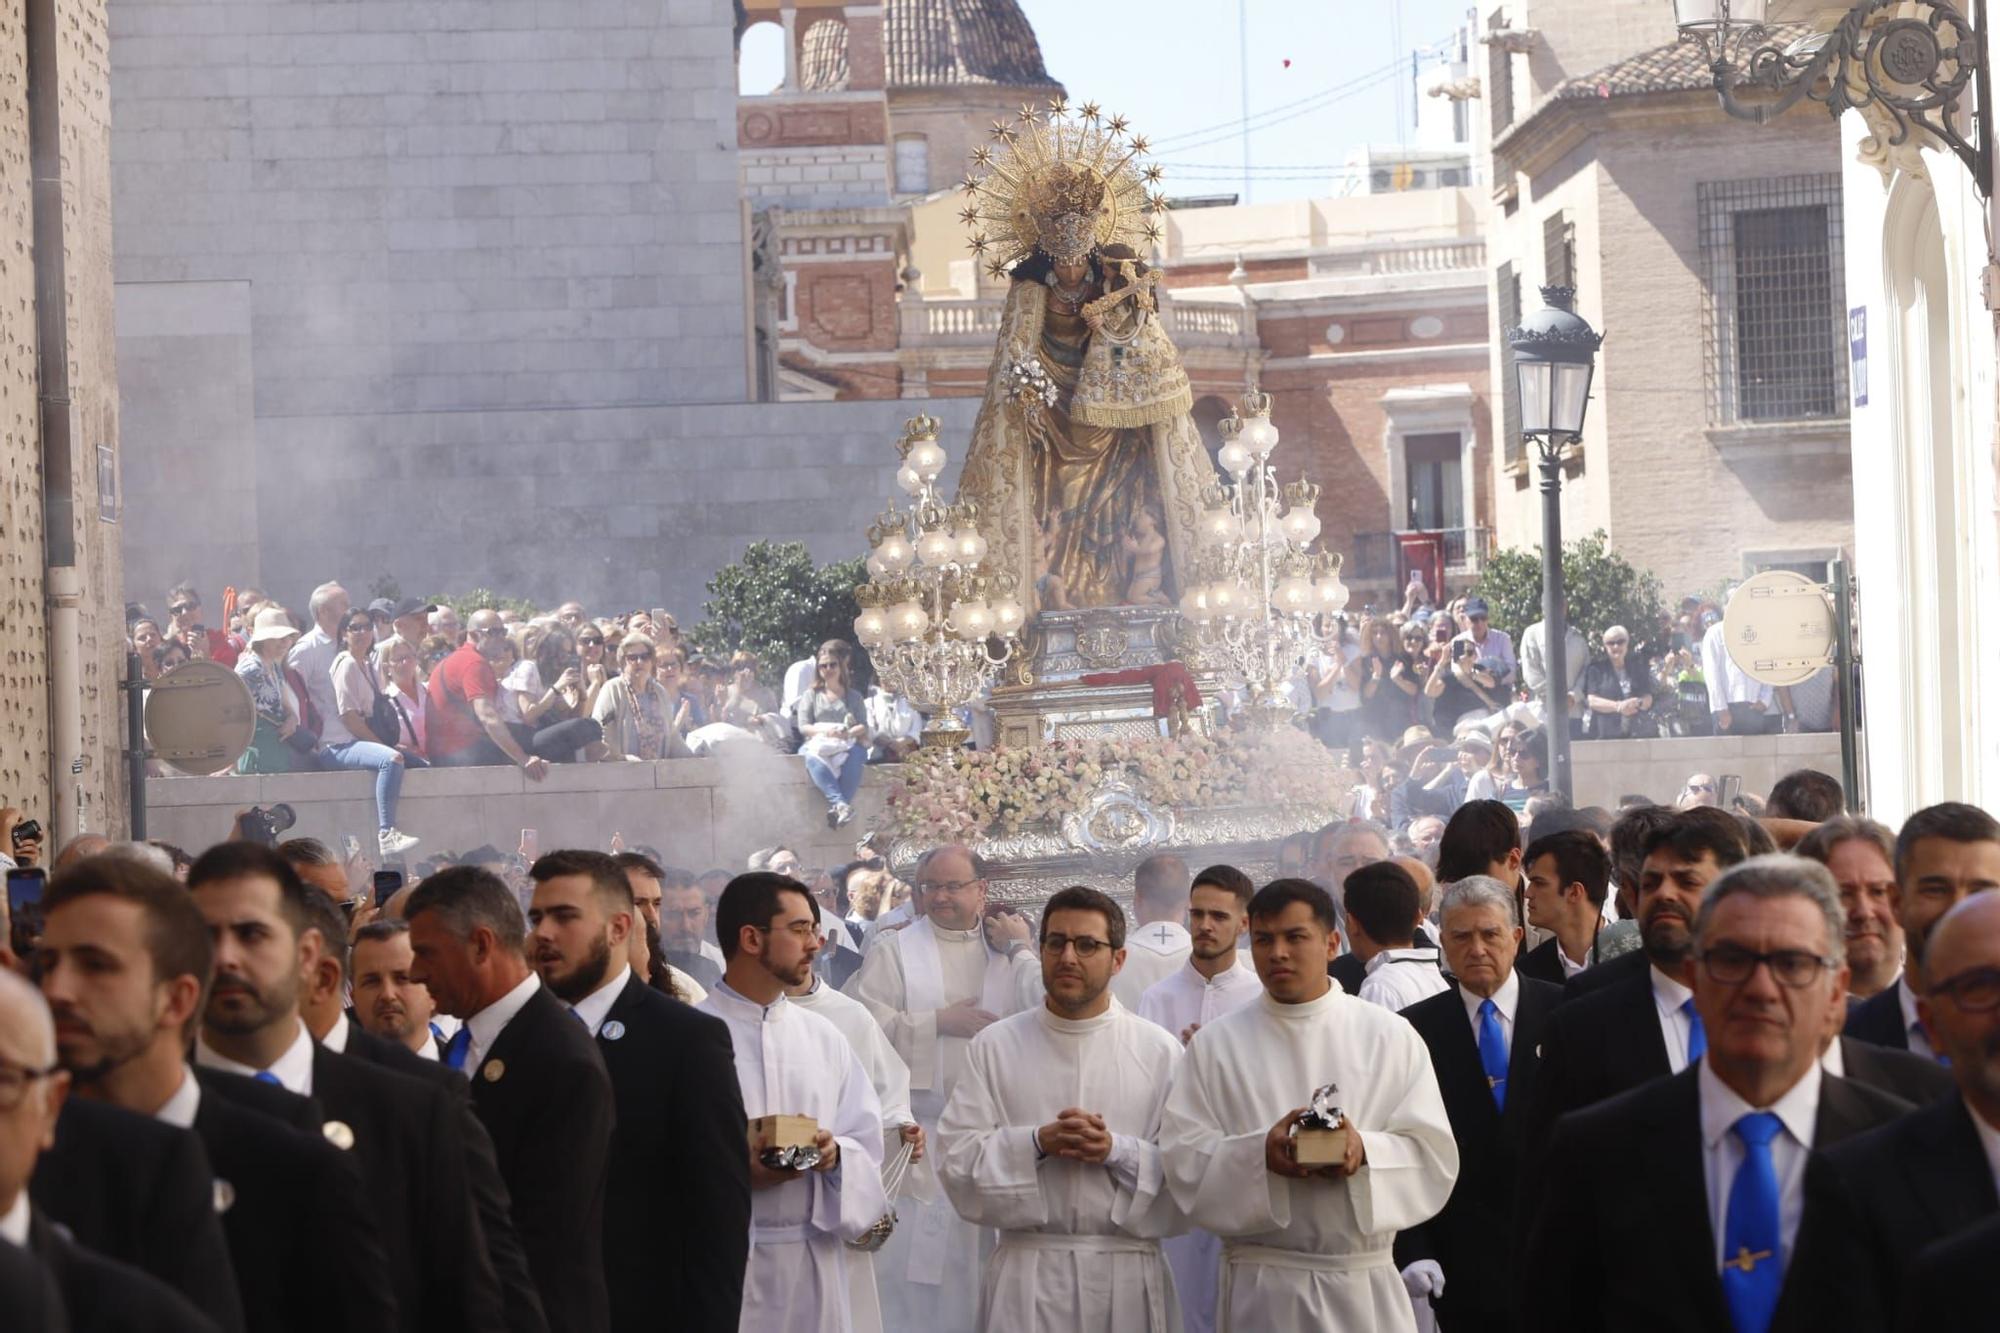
pixel 1215 980
pixel 890 1078
pixel 934 985
pixel 794 1063
pixel 1048 1138
pixel 1306 1247
pixel 1157 944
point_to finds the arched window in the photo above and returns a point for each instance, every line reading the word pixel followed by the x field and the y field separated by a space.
pixel 760 60
pixel 913 164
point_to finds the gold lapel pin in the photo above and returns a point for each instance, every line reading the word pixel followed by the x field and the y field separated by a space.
pixel 338 1134
pixel 493 1071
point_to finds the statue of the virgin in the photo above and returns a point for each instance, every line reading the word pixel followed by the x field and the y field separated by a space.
pixel 1085 464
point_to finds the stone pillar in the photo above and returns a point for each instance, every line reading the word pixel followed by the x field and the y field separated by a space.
pixel 867 62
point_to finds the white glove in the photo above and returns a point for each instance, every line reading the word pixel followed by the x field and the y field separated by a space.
pixel 1424 1278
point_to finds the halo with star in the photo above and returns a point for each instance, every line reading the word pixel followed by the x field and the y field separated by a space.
pixel 1056 140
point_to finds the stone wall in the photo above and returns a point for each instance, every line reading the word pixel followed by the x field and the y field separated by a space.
pixel 24 684
pixel 1603 771
pixel 701 813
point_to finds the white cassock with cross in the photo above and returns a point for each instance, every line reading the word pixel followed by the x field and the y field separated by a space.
pixel 1153 952
pixel 1312 1253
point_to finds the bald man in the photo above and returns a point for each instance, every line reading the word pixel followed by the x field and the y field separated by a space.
pixel 1930 1174
pixel 1420 871
pixel 96 1292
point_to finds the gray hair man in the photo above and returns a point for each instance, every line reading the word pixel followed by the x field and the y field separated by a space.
pixel 1731 1136
pixel 1484 1035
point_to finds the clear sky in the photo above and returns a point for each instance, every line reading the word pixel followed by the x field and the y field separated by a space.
pixel 1325 77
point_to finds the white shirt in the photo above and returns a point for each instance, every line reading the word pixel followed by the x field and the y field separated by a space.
pixel 1726 682
pixel 336 1036
pixel 1505 1001
pixel 1668 997
pixel 353 692
pixel 312 657
pixel 179 1110
pixel 595 1007
pixel 1398 978
pixel 429 1050
pixel 487 1025
pixel 14 1222
pixel 1187 997
pixel 293 1069
pixel 1153 952
pixel 1722 1152
pixel 1989 1139
pixel 1920 1041
pixel 798 679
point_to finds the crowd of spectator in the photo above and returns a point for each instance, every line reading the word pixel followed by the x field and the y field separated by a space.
pixel 404 683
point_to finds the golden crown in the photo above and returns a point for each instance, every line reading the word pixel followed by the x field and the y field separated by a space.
pixel 1063 182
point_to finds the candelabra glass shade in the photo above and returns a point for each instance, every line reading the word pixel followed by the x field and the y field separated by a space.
pixel 871 627
pixel 927 459
pixel 1330 594
pixel 971 621
pixel 936 548
pixel 1712 17
pixel 1300 526
pixel 1218 526
pixel 1294 596
pixel 1008 617
pixel 1260 436
pixel 1194 605
pixel 1234 458
pixel 908 620
pixel 895 553
pixel 908 479
pixel 969 546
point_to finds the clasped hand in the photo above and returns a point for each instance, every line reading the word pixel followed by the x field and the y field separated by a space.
pixel 1076 1134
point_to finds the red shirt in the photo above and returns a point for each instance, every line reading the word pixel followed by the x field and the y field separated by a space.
pixel 223 649
pixel 458 680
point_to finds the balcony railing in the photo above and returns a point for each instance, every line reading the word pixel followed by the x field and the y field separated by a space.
pixel 960 323
pixel 1412 258
pixel 1389 556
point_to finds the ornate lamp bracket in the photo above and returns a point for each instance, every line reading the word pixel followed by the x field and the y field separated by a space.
pixel 1911 71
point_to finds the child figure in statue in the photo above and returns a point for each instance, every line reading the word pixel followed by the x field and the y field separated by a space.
pixel 1132 375
pixel 1146 559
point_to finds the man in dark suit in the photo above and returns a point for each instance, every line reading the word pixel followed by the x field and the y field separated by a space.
pixel 538 1084
pixel 1717 1184
pixel 1951 1282
pixel 28 1291
pixel 94 1292
pixel 402 1133
pixel 1930 1174
pixel 1943 854
pixel 1483 1034
pixel 679 1119
pixel 338 1031
pixel 1639 1022
pixel 124 961
pixel 1568 875
pixel 1899 1073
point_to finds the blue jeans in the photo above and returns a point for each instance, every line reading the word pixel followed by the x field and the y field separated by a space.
pixel 838 788
pixel 388 767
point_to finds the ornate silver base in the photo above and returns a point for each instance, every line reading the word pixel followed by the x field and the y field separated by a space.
pixel 1063 646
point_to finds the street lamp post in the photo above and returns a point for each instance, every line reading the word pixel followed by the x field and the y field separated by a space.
pixel 1555 354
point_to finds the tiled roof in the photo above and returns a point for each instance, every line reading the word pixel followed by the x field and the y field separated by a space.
pixel 1675 68
pixel 939 44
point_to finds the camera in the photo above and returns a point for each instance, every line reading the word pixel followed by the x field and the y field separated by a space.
pixel 28 830
pixel 261 825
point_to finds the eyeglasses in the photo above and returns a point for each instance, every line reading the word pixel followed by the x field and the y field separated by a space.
pixel 14 1082
pixel 1733 965
pixel 1085 946
pixel 184 607
pixel 944 885
pixel 802 930
pixel 1976 990
pixel 1616 643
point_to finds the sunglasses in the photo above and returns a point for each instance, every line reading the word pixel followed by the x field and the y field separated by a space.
pixel 1701 786
pixel 590 643
pixel 635 657
pixel 360 625
pixel 184 608
pixel 1616 643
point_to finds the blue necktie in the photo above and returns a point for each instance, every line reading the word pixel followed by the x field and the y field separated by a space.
pixel 266 1076
pixel 461 1042
pixel 1493 1052
pixel 1697 1037
pixel 1752 1270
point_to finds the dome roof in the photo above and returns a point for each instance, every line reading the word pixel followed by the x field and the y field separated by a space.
pixel 936 44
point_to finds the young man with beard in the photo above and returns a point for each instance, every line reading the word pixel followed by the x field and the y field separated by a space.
pixel 1640 1021
pixel 1306 1246
pixel 124 962
pixel 1214 982
pixel 1049 1138
pixel 678 1136
pixel 270 955
pixel 794 1063
pixel 538 1083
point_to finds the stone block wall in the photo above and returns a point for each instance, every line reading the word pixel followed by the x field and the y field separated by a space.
pixel 24 685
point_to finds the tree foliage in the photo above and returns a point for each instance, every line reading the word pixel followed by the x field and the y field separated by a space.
pixel 777 603
pixel 1604 589
pixel 483 599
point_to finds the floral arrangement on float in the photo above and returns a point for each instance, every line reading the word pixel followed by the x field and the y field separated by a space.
pixel 983 795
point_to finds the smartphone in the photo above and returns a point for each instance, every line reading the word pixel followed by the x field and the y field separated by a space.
pixel 24 906
pixel 387 884
pixel 1728 787
pixel 530 845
